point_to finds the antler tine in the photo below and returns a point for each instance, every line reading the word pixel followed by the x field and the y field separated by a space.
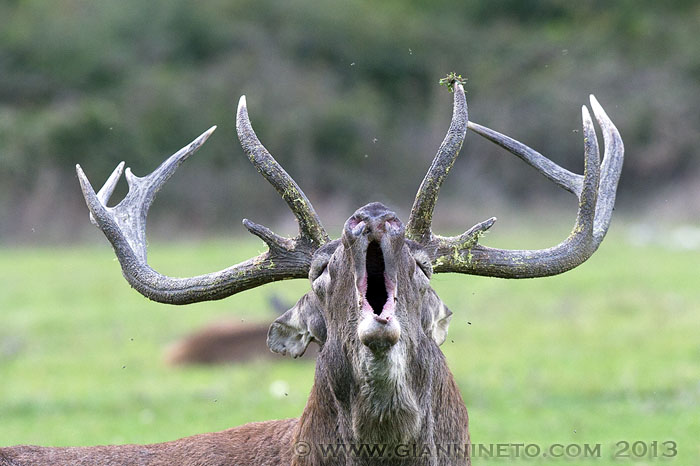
pixel 125 227
pixel 610 171
pixel 108 188
pixel 421 218
pixel 595 191
pixel 310 228
pixel 561 176
pixel 129 216
pixel 591 179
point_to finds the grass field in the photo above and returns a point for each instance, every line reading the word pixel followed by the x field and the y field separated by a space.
pixel 607 353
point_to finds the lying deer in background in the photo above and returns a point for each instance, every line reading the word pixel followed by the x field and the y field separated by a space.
pixel 228 341
pixel 380 375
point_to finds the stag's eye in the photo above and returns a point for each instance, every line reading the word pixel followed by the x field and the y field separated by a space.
pixel 318 269
pixel 425 268
pixel 320 280
pixel 423 263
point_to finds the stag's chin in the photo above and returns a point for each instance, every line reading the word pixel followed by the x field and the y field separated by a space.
pixel 378 327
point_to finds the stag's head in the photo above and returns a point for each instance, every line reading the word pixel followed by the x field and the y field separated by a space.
pixel 370 291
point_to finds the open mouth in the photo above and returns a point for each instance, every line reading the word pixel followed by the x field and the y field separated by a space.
pixel 377 289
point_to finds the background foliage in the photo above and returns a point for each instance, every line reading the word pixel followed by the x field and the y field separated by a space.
pixel 344 94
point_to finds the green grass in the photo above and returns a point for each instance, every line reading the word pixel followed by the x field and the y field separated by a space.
pixel 605 353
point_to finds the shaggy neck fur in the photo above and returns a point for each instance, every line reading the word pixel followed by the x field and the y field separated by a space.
pixel 389 403
pixel 386 407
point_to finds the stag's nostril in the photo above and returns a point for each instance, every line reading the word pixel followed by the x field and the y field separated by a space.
pixel 394 223
pixel 356 226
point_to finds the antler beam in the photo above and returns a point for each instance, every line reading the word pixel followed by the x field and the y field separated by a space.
pixel 125 227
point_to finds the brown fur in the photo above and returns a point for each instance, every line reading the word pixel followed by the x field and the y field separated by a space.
pixel 327 417
pixel 259 443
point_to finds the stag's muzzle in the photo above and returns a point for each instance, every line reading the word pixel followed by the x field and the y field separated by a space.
pixel 374 237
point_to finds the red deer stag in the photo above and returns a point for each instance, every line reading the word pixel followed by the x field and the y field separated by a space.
pixel 380 375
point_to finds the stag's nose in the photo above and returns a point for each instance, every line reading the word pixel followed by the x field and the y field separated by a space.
pixel 373 221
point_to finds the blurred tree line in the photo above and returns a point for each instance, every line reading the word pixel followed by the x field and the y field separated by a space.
pixel 343 93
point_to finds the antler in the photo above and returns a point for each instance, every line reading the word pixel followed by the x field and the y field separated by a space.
pixel 595 191
pixel 421 217
pixel 125 227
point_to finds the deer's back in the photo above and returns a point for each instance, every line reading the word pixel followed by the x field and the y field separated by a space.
pixel 258 443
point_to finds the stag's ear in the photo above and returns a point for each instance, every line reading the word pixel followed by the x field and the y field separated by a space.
pixel 292 332
pixel 435 317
